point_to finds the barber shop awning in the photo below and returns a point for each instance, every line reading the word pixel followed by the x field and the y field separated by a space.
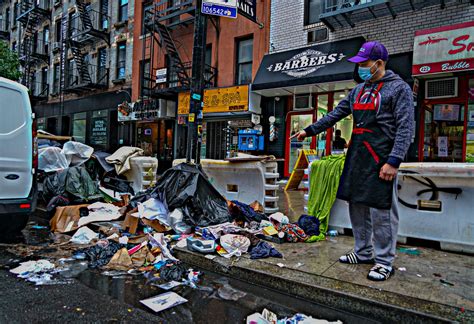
pixel 310 65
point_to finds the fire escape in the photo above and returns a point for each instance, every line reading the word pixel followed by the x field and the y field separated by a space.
pixel 33 50
pixel 86 27
pixel 160 20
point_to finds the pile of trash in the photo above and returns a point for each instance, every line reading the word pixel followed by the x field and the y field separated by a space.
pixel 119 219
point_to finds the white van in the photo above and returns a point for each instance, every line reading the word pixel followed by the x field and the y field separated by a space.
pixel 18 157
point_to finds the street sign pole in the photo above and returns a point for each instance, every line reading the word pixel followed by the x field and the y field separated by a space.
pixel 197 84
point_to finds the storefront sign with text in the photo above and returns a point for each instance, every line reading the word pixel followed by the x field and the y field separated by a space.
pixel 141 110
pixel 230 99
pixel 444 49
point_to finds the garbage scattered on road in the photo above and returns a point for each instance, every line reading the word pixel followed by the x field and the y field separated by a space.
pixel 84 235
pixel 268 317
pixel 170 285
pixel 402 269
pixel 164 301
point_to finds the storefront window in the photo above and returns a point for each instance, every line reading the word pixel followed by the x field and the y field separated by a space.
pixel 98 131
pixel 298 122
pixel 342 129
pixel 323 101
pixel 444 129
pixel 470 124
pixel 79 127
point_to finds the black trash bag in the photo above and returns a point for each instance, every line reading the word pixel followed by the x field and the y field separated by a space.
pixel 187 187
pixel 175 272
pixel 100 254
pixel 75 182
pixel 117 183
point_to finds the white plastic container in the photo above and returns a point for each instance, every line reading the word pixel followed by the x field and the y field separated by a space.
pixel 244 181
pixel 142 173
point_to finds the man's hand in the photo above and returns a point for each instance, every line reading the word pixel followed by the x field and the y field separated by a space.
pixel 301 135
pixel 388 172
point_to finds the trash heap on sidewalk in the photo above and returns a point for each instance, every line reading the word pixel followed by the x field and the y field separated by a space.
pixel 113 225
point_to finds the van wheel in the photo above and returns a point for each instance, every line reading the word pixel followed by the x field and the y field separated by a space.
pixel 12 224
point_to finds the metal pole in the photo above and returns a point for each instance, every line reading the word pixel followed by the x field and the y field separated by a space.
pixel 197 83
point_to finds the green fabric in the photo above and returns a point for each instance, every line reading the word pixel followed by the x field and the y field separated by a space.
pixel 325 175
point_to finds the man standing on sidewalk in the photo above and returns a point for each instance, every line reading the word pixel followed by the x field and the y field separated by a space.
pixel 383 112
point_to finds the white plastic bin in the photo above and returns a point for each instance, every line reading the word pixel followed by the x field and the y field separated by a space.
pixel 143 172
pixel 452 226
pixel 244 181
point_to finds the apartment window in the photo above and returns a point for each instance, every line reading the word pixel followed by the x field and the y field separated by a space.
pixel 145 75
pixel 121 59
pixel 102 64
pixel 46 39
pixel 145 7
pixel 123 10
pixel 44 81
pixel 104 11
pixel 58 30
pixel 312 10
pixel 7 19
pixel 56 78
pixel 244 61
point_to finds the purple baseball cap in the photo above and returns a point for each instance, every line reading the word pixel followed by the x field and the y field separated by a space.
pixel 370 51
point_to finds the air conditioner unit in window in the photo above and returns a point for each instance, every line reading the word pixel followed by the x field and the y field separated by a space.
pixel 167 109
pixel 302 102
pixel 441 88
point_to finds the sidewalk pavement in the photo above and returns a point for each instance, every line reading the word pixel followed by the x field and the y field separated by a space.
pixel 436 285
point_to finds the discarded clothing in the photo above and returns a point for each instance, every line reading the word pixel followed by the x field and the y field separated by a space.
pixel 101 253
pixel 309 224
pixel 293 233
pixel 324 182
pixel 264 250
pixel 57 202
pixel 121 158
pixel 240 210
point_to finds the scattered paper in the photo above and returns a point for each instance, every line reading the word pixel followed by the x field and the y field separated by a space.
pixel 418 275
pixel 299 264
pixel 163 301
pixel 170 285
pixel 281 265
pixel 100 212
pixel 84 235
pixel 210 256
pixel 123 240
pixel 33 266
pixel 402 269
pixel 153 209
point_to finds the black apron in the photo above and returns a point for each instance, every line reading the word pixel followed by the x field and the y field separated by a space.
pixel 368 152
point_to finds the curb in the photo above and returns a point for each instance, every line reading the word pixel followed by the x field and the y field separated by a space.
pixel 375 304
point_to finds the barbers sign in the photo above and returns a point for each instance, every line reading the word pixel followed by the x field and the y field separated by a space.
pixel 310 65
pixel 305 63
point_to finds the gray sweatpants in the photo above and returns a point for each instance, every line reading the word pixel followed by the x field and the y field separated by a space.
pixel 375 231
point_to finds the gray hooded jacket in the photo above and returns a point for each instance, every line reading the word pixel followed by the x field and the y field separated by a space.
pixel 395 115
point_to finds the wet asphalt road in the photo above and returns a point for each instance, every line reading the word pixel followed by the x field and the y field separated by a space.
pixel 93 297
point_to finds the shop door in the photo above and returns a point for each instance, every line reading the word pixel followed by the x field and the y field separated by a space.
pixel 297 121
pixel 443 133
pixel 156 139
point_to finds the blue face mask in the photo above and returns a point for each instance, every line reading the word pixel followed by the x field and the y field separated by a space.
pixel 364 72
